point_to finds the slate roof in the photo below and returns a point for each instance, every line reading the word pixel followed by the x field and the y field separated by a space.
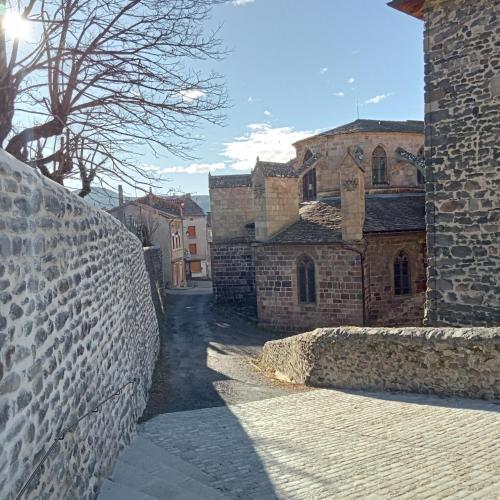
pixel 275 169
pixel 229 181
pixel 321 222
pixel 408 126
pixel 176 206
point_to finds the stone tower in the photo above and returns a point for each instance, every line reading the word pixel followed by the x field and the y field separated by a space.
pixel 462 130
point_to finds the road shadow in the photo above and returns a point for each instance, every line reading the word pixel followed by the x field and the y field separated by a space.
pixel 424 399
pixel 186 387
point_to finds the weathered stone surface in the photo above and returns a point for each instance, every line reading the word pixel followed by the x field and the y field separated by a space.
pixel 453 361
pixel 462 116
pixel 233 273
pixel 76 323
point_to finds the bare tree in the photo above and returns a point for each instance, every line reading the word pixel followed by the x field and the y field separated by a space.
pixel 101 80
pixel 144 226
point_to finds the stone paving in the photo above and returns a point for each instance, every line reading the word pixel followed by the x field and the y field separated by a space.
pixel 333 444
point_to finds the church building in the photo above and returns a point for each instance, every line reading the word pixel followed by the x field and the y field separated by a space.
pixel 335 236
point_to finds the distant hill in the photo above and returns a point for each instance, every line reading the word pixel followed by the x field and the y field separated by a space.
pixel 203 200
pixel 107 198
pixel 104 198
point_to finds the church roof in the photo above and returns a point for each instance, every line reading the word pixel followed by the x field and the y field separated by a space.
pixel 229 181
pixel 321 221
pixel 408 126
pixel 275 169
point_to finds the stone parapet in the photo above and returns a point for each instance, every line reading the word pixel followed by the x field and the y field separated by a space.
pixel 451 361
pixel 76 323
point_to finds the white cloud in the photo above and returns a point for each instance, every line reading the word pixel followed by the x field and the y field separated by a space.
pixel 192 94
pixel 267 113
pixel 378 98
pixel 339 94
pixel 351 80
pixel 264 141
pixel 250 100
pixel 242 2
pixel 322 71
pixel 194 168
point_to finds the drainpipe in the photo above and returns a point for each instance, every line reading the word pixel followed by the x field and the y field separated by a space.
pixel 362 255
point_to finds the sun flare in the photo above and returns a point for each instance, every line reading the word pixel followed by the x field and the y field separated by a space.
pixel 15 26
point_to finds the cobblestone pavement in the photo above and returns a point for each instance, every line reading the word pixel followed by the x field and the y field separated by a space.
pixel 333 444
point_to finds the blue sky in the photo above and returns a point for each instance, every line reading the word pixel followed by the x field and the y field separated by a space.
pixel 297 67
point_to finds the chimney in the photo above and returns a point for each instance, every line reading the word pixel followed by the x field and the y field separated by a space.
pixel 352 197
pixel 120 195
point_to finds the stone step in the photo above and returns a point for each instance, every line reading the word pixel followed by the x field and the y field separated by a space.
pixel 139 479
pixel 181 478
pixel 141 447
pixel 116 491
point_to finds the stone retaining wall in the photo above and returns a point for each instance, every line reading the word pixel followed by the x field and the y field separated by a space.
pixel 76 323
pixel 453 361
pixel 153 261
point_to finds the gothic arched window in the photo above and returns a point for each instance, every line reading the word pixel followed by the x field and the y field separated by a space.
pixel 379 166
pixel 307 155
pixel 401 274
pixel 306 280
pixel 420 175
pixel 309 185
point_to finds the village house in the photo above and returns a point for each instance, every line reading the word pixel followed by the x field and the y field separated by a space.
pixel 188 223
pixel 159 220
pixel 336 236
pixel 195 234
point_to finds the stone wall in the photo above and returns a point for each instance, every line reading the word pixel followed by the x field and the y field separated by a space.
pixel 462 117
pixel 454 361
pixel 232 208
pixel 384 307
pixel 233 274
pixel 276 205
pixel 338 287
pixel 76 323
pixel 333 149
pixel 153 262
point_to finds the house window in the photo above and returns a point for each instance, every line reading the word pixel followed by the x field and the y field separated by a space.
pixel 309 185
pixel 379 166
pixel 176 241
pixel 401 274
pixel 420 175
pixel 306 280
pixel 192 248
pixel 307 155
pixel 191 231
pixel 195 266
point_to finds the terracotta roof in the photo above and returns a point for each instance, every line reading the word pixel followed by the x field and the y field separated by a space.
pixel 275 169
pixel 321 222
pixel 408 126
pixel 412 7
pixel 229 181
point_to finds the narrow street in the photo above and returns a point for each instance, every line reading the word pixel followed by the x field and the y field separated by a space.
pixel 206 357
